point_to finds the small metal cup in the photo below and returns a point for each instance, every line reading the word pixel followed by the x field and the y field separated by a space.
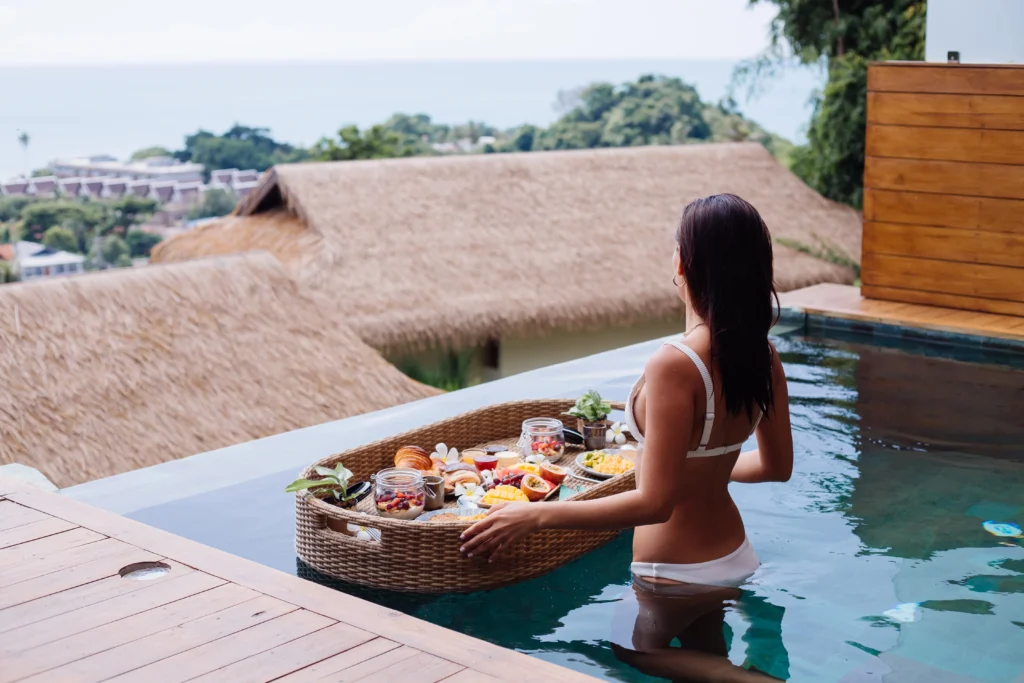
pixel 433 485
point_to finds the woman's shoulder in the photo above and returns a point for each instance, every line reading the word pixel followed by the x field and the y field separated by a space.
pixel 671 365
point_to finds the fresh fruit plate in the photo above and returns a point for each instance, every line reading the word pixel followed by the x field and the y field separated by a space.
pixel 611 461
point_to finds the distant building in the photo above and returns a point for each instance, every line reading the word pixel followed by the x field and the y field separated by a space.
pixel 249 176
pixel 115 188
pixel 91 187
pixel 154 168
pixel 45 186
pixel 14 188
pixel 223 176
pixel 243 189
pixel 189 194
pixel 70 187
pixel 36 260
pixel 140 188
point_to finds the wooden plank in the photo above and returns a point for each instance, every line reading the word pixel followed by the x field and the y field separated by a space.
pixel 68 624
pixel 65 559
pixel 13 515
pixel 79 649
pixel 33 531
pixel 947 244
pixel 994 112
pixel 470 676
pixel 128 659
pixel 1009 308
pixel 950 211
pixel 946 144
pixel 843 301
pixel 945 177
pixel 290 657
pixel 229 649
pixel 965 279
pixel 453 646
pixel 366 667
pixel 422 668
pixel 79 575
pixel 81 596
pixel 27 552
pixel 940 78
pixel 345 660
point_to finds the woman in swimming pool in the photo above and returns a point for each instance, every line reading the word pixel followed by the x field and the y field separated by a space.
pixel 698 400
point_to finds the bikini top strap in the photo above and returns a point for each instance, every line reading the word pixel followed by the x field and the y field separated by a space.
pixel 709 392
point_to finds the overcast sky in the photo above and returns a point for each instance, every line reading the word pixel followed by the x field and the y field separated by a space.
pixel 146 31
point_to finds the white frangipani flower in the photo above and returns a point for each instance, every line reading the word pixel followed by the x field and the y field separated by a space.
pixel 445 455
pixel 536 459
pixel 616 434
pixel 471 491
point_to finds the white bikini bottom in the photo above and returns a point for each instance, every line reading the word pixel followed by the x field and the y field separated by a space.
pixel 732 570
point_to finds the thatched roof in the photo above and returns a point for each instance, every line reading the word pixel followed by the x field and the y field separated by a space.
pixel 109 372
pixel 454 250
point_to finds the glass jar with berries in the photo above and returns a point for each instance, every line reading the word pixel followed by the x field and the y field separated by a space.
pixel 543 437
pixel 399 493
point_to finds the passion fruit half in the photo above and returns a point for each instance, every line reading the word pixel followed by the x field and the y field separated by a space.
pixel 534 487
pixel 553 473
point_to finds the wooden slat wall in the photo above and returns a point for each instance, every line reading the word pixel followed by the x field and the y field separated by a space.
pixel 944 186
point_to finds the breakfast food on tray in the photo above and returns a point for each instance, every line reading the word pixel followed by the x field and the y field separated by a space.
pixel 413 457
pixel 607 463
pixel 470 454
pixel 508 458
pixel 460 476
pixel 485 461
pixel 504 494
pixel 534 487
pixel 507 477
pixel 528 467
pixel 400 504
pixel 452 517
pixel 553 473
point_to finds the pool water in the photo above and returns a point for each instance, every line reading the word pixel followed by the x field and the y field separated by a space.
pixel 875 562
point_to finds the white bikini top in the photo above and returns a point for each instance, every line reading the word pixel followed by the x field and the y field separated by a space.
pixel 709 416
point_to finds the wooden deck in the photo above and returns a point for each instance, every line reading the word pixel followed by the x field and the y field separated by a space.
pixel 66 613
pixel 842 301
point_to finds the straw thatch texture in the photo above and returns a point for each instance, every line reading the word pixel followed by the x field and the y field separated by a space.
pixel 278 232
pixel 436 251
pixel 105 373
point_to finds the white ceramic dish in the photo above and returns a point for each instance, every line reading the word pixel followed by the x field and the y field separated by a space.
pixel 628 454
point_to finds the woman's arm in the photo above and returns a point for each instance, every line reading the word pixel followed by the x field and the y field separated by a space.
pixel 671 379
pixel 773 459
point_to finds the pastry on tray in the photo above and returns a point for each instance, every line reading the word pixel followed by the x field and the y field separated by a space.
pixel 413 457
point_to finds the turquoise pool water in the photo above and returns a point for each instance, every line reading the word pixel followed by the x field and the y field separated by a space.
pixel 876 564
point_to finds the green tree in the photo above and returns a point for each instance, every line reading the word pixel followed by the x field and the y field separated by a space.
pixel 141 243
pixel 38 217
pixel 108 251
pixel 11 207
pixel 378 142
pixel 844 37
pixel 23 140
pixel 215 203
pixel 131 210
pixel 61 239
pixel 7 273
pixel 239 147
pixel 149 152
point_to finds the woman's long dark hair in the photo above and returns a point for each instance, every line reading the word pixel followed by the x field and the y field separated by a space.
pixel 726 254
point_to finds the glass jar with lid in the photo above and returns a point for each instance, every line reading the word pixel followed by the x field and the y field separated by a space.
pixel 543 437
pixel 399 493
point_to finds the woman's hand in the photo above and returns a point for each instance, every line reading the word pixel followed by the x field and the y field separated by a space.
pixel 504 525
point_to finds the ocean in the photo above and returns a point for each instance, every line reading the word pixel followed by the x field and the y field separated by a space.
pixel 78 111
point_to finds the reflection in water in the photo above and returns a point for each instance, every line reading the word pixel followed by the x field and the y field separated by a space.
pixel 877 566
pixel 651 616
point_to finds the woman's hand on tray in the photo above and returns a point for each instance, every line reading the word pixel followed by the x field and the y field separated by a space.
pixel 506 524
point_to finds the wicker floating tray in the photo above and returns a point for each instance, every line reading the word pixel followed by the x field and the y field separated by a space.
pixel 423 557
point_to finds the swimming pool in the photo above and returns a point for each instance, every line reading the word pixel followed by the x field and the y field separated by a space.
pixel 876 564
